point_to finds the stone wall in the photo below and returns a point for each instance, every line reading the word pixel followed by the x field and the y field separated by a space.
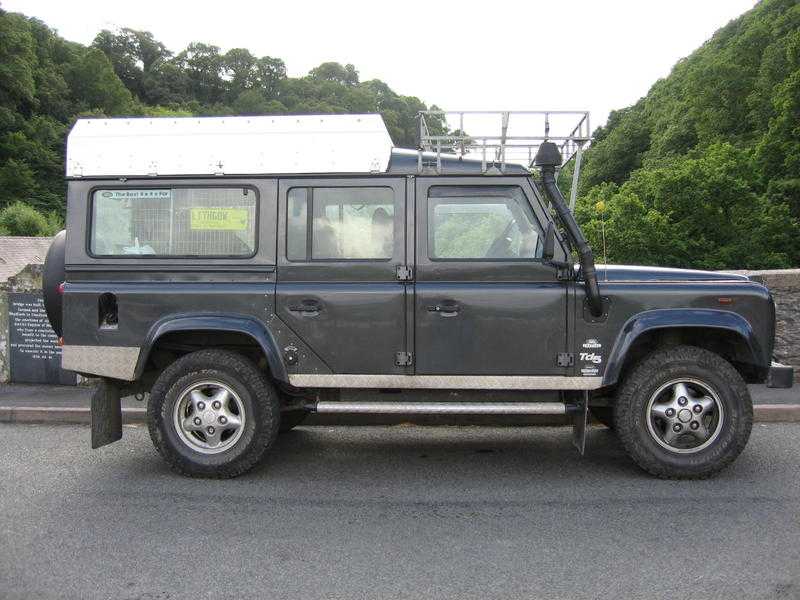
pixel 4 366
pixel 784 285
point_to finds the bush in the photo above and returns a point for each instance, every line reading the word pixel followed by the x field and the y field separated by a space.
pixel 20 219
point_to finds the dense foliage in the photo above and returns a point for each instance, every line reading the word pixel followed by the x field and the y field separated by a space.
pixel 46 82
pixel 705 170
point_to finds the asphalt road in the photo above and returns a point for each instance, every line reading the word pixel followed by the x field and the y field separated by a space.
pixel 395 512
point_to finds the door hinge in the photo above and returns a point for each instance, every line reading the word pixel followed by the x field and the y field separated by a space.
pixel 404 273
pixel 403 359
pixel 565 359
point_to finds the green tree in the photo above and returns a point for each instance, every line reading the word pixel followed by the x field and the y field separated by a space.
pixel 202 65
pixel 333 71
pixel 95 85
pixel 253 102
pixel 270 73
pixel 239 69
pixel 17 62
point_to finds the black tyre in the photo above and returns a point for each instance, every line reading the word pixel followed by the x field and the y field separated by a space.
pixel 291 419
pixel 604 414
pixel 212 413
pixel 683 413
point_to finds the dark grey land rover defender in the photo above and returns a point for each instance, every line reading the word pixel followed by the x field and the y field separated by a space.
pixel 245 271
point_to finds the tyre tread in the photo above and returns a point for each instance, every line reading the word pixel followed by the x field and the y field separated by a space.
pixel 264 397
pixel 642 375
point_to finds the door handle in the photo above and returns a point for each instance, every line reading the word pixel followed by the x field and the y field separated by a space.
pixel 449 309
pixel 306 307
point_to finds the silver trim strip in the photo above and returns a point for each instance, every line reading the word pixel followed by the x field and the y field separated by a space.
pixel 118 362
pixel 443 408
pixel 448 382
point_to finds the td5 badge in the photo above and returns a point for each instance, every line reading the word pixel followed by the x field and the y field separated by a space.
pixel 591 357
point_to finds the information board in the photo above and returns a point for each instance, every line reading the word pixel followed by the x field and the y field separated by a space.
pixel 34 351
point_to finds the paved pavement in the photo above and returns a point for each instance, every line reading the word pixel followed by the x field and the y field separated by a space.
pixel 395 512
pixel 70 404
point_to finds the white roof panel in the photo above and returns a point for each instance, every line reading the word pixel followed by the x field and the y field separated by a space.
pixel 228 145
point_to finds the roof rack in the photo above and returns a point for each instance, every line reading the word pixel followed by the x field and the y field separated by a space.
pixel 501 137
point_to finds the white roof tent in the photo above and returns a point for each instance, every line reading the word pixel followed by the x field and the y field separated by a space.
pixel 228 146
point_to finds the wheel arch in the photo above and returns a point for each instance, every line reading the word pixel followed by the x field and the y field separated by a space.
pixel 245 328
pixel 723 332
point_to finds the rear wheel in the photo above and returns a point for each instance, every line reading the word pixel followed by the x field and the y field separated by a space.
pixel 212 413
pixel 683 413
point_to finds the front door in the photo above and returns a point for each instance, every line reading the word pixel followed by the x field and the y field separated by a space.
pixel 341 242
pixel 485 303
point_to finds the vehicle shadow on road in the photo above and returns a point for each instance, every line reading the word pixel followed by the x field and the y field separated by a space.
pixel 347 456
pixel 439 451
pixel 470 459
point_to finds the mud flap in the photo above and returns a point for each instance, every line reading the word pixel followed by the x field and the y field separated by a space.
pixel 580 416
pixel 106 413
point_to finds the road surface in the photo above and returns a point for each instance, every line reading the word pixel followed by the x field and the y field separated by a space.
pixel 395 512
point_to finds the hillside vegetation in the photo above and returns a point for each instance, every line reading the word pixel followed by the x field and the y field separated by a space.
pixel 704 171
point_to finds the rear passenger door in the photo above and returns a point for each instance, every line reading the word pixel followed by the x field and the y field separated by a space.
pixel 340 243
pixel 485 302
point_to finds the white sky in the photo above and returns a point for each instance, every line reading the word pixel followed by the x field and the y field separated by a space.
pixel 513 55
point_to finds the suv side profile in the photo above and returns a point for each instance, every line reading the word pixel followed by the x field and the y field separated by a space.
pixel 244 271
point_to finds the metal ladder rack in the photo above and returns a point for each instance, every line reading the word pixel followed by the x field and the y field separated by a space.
pixel 503 137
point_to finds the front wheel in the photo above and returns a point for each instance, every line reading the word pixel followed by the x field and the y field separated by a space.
pixel 212 413
pixel 683 413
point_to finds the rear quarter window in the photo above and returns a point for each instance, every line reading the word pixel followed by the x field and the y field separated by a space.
pixel 213 221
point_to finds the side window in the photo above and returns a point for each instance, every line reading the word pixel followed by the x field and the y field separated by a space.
pixel 174 222
pixel 481 223
pixel 346 223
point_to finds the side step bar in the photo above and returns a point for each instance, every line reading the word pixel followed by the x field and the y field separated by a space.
pixel 443 408
pixel 577 411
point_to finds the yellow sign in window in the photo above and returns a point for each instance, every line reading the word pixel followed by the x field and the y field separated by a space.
pixel 220 219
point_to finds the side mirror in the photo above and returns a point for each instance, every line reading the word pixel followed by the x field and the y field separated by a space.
pixel 549 248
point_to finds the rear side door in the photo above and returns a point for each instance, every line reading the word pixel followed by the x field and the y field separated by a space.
pixel 485 303
pixel 340 244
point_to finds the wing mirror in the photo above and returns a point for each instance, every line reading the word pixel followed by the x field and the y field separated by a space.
pixel 549 248
pixel 549 251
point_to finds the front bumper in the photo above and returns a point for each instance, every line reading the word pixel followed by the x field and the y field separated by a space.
pixel 780 376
